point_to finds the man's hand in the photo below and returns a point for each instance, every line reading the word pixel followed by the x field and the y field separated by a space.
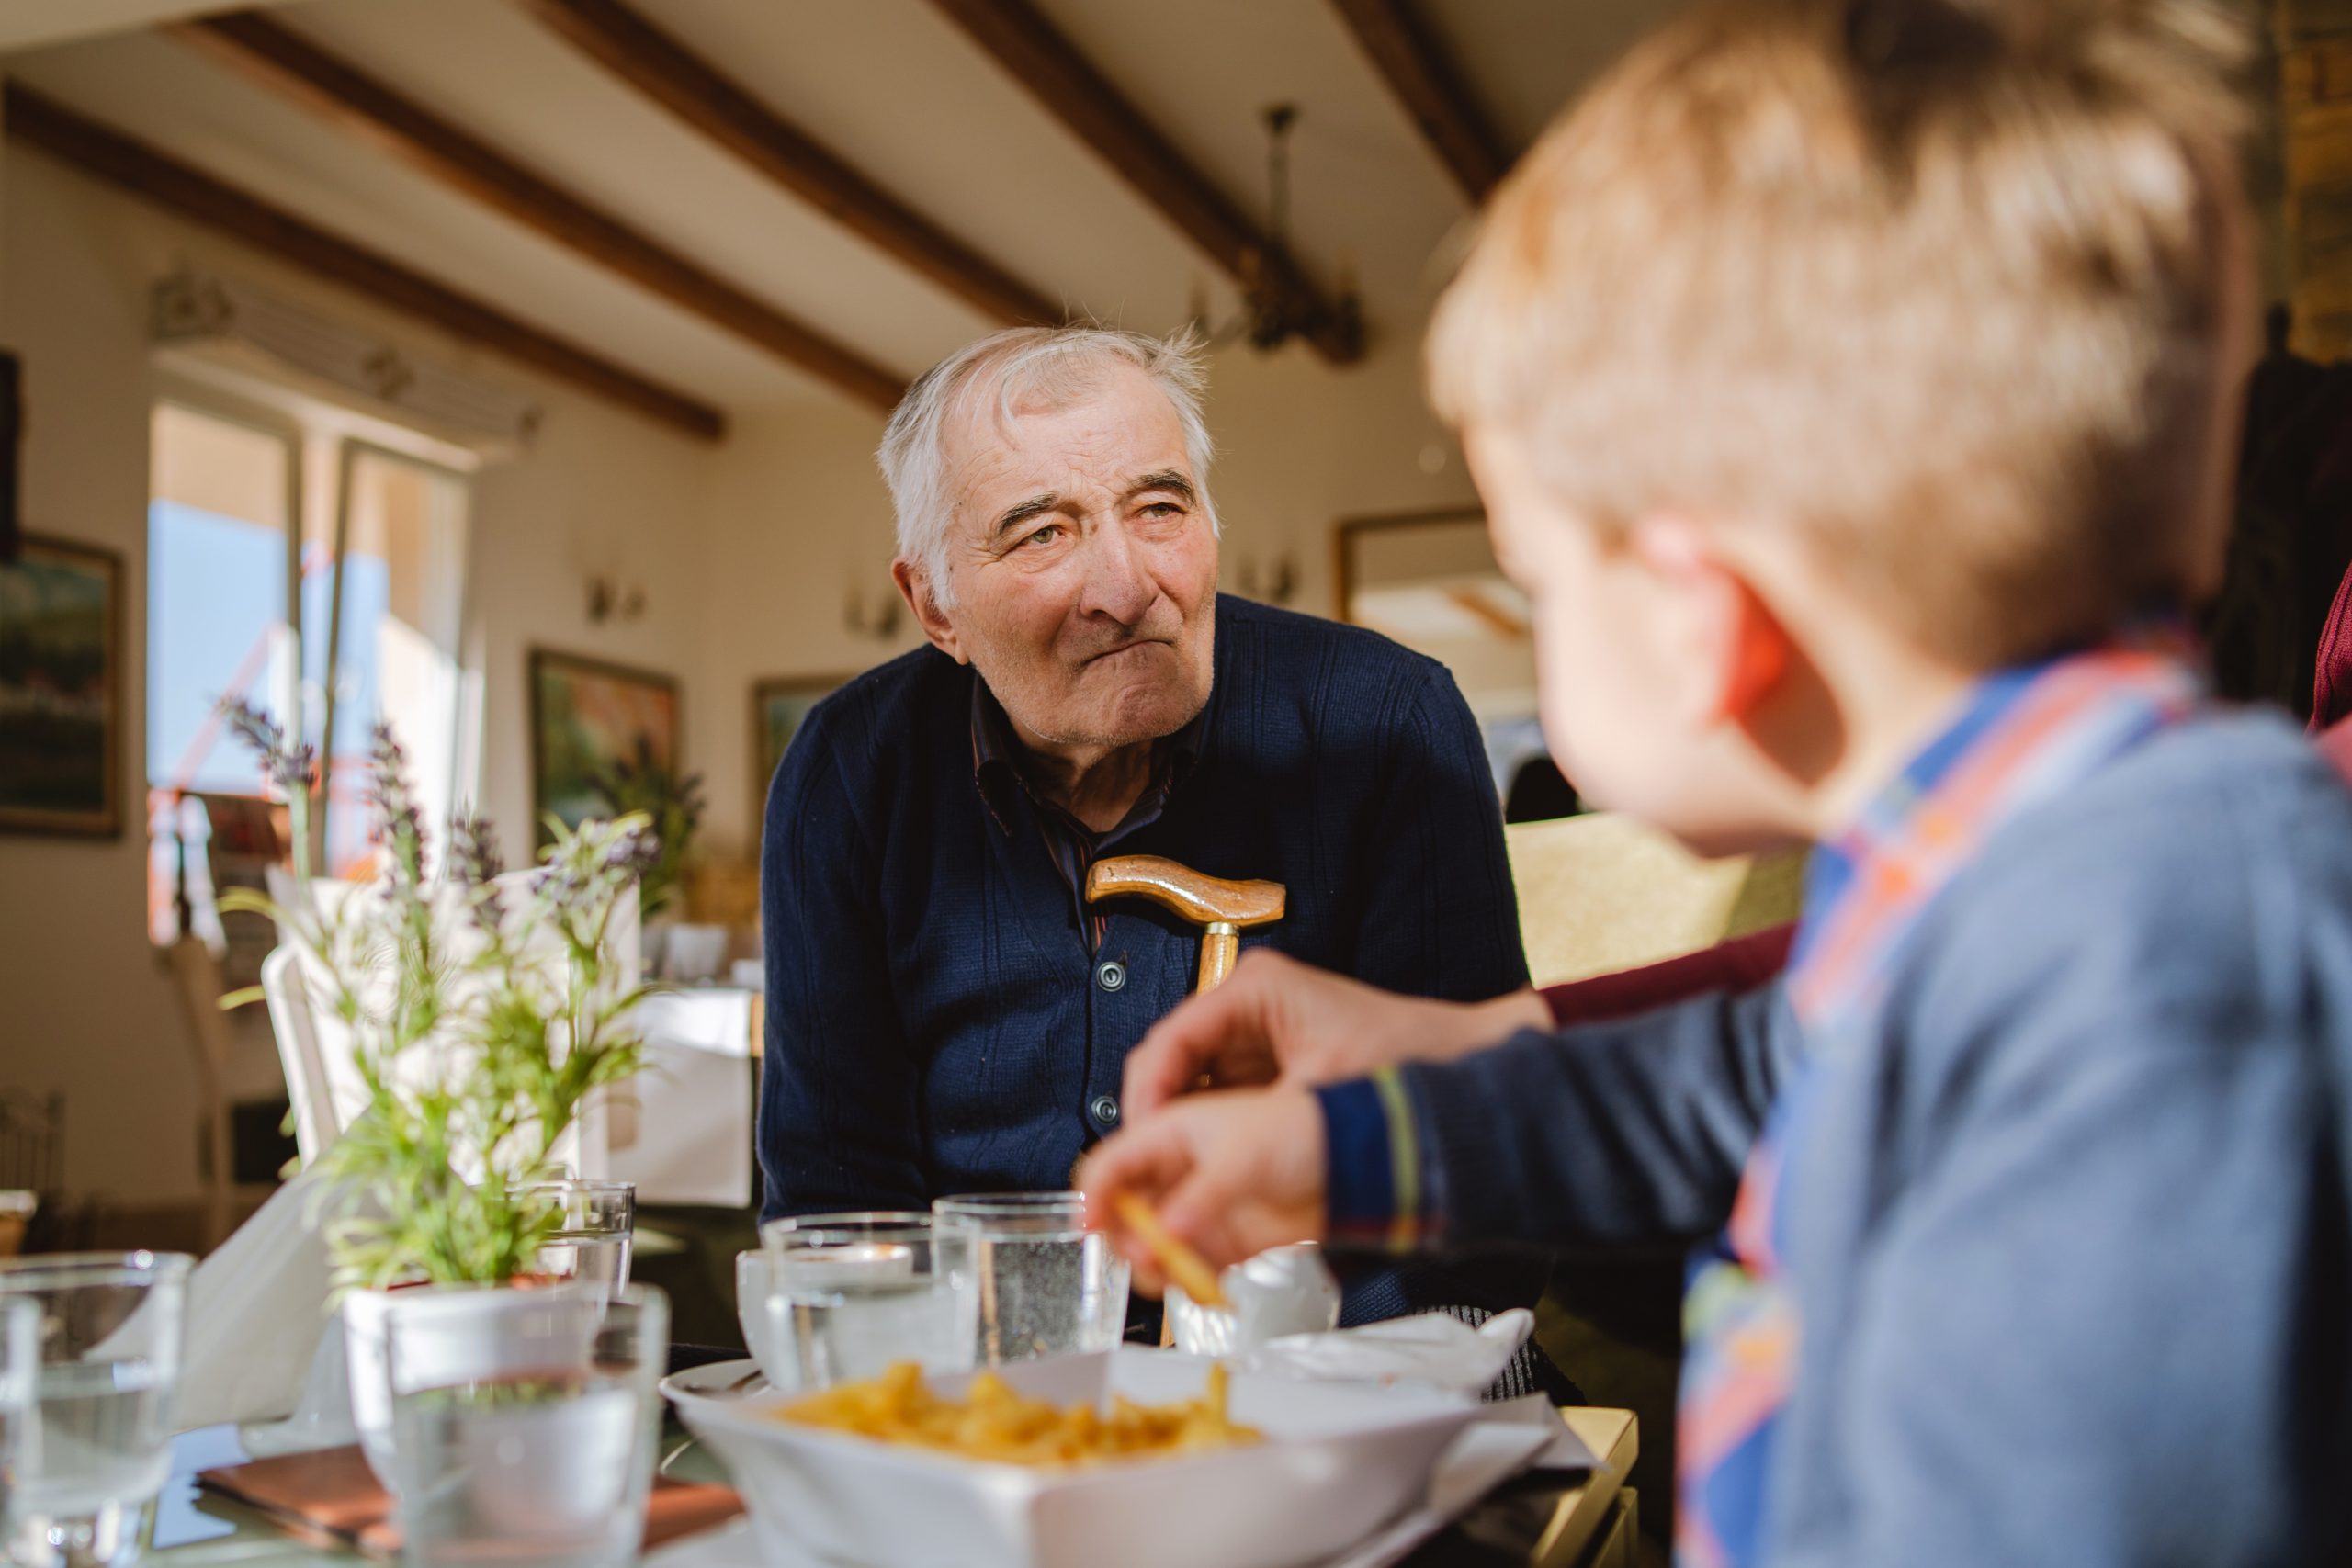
pixel 1276 1019
pixel 1231 1174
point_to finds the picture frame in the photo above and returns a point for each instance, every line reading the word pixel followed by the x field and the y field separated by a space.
pixel 779 705
pixel 62 689
pixel 587 715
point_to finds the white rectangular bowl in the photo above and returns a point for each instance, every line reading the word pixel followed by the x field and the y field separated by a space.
pixel 1336 1462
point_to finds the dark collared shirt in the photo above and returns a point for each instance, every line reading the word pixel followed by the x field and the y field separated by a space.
pixel 1075 847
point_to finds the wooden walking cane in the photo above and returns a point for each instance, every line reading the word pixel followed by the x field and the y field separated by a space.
pixel 1222 908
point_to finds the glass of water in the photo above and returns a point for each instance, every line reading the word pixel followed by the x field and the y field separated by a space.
pixel 19 1369
pixel 96 1448
pixel 1043 1284
pixel 851 1294
pixel 596 1221
pixel 544 1463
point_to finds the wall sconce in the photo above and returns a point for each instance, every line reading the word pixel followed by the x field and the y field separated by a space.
pixel 880 623
pixel 1279 583
pixel 608 600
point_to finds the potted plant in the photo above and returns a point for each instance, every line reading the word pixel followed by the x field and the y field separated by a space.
pixel 481 1012
pixel 672 804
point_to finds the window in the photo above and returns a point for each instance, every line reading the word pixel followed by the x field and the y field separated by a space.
pixel 332 604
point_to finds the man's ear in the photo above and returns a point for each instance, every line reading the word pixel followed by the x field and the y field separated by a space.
pixel 1738 648
pixel 914 587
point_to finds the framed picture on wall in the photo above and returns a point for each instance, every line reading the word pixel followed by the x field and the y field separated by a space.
pixel 61 690
pixel 778 706
pixel 587 718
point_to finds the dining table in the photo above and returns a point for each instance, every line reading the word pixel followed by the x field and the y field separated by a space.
pixel 1543 1518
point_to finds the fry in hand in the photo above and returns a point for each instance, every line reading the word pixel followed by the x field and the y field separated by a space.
pixel 1187 1269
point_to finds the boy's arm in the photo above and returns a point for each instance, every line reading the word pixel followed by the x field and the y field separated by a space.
pixel 1630 1131
pixel 840 1118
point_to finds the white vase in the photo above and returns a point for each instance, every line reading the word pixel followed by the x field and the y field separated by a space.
pixel 447 1337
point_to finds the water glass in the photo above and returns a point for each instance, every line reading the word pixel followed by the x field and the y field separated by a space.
pixel 1043 1284
pixel 544 1463
pixel 19 1371
pixel 849 1295
pixel 96 1449
pixel 595 1223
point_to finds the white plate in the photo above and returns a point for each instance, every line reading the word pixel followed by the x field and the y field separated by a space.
pixel 1337 1462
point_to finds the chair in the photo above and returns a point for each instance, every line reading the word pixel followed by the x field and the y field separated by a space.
pixel 323 1081
pixel 1601 893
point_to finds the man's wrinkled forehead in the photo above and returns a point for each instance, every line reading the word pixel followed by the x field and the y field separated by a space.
pixel 998 452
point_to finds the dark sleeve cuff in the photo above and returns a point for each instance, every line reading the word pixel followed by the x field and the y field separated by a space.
pixel 1740 964
pixel 1379 1185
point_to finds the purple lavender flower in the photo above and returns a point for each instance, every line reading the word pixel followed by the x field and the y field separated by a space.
pixel 291 770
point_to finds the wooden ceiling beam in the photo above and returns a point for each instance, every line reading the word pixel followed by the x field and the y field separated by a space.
pixel 132 165
pixel 343 94
pixel 621 40
pixel 1067 86
pixel 1433 91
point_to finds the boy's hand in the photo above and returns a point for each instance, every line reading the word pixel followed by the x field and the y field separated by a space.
pixel 1230 1174
pixel 1278 1019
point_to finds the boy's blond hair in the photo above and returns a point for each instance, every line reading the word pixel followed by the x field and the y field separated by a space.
pixel 1938 281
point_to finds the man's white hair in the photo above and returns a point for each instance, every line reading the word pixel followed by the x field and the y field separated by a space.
pixel 1055 367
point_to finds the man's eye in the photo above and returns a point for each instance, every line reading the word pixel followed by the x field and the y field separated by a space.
pixel 1044 536
pixel 1163 509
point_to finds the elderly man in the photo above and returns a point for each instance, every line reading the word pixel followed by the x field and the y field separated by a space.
pixel 946 1012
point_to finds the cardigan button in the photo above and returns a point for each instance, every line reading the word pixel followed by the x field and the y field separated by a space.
pixel 1110 975
pixel 1105 1109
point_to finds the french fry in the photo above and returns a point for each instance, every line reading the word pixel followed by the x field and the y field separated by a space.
pixel 995 1425
pixel 1188 1268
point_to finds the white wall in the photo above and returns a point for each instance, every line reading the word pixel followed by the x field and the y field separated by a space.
pixel 83 1007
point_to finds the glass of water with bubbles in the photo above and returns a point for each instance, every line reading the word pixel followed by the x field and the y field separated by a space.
pixel 534 1447
pixel 1043 1283
pixel 94 1448
pixel 594 1226
pixel 850 1295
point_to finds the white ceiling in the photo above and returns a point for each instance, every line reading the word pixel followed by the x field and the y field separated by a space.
pixel 890 85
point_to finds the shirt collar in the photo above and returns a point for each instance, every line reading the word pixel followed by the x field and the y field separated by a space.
pixel 996 755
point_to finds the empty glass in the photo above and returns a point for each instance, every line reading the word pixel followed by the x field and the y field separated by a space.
pixel 850 1295
pixel 545 1461
pixel 98 1447
pixel 19 1368
pixel 592 1242
pixel 1043 1284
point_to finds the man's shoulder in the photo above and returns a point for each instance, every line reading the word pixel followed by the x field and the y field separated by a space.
pixel 2204 875
pixel 1284 650
pixel 905 703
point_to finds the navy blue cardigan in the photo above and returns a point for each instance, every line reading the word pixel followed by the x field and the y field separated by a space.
pixel 936 1023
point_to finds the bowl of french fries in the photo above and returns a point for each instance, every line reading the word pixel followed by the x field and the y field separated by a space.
pixel 1146 1458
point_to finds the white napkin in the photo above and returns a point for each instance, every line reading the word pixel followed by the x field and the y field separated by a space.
pixel 1433 1349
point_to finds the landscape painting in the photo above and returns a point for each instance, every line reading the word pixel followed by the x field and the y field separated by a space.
pixel 61 690
pixel 589 719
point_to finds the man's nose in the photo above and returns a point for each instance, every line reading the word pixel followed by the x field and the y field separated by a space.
pixel 1117 585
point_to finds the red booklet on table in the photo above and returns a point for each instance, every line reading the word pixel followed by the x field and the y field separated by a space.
pixel 331 1494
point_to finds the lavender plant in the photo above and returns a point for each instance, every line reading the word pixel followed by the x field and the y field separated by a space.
pixel 479 1039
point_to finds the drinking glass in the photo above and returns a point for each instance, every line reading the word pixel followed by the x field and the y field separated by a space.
pixel 98 1447
pixel 544 1463
pixel 19 1369
pixel 591 1244
pixel 851 1294
pixel 1043 1284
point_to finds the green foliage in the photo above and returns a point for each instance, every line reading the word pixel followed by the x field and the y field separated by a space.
pixel 478 1039
pixel 671 803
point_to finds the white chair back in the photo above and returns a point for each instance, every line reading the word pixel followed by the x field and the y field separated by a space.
pixel 323 1079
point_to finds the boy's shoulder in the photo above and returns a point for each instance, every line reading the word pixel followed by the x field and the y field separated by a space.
pixel 2204 877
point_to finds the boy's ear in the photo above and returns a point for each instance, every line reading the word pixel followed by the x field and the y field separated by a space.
pixel 914 587
pixel 1739 645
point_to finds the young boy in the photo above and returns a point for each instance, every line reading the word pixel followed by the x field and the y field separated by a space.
pixel 1849 383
